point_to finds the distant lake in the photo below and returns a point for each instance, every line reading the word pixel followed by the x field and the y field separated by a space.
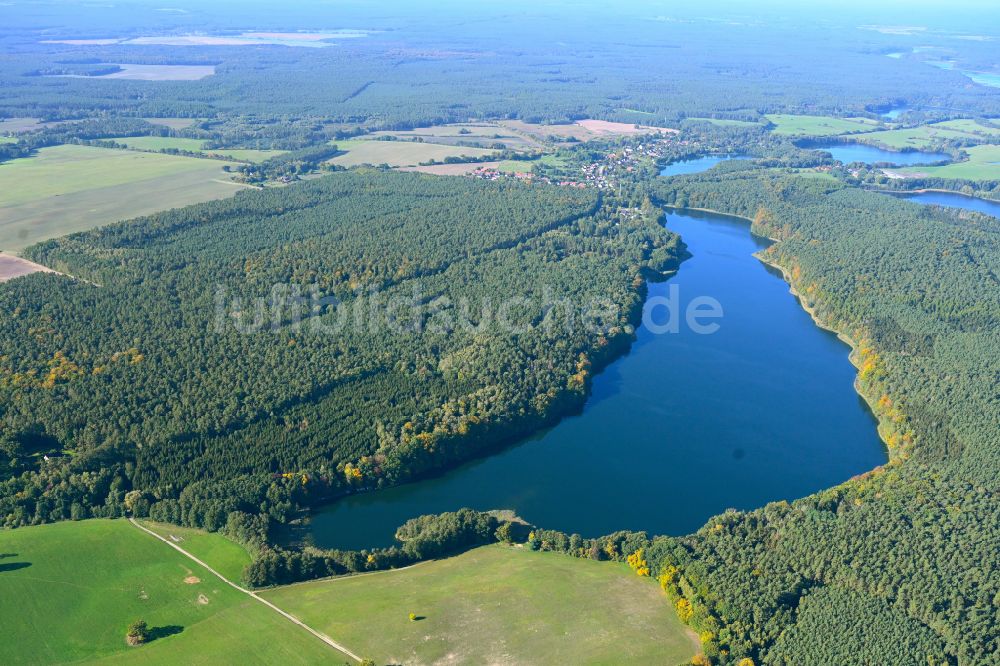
pixel 697 164
pixel 984 78
pixel 682 428
pixel 859 152
pixel 954 200
pixel 895 112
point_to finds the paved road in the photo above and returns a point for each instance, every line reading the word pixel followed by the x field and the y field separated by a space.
pixel 291 618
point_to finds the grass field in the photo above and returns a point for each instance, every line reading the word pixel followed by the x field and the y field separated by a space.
pixel 194 146
pixel 400 153
pixel 525 166
pixel 461 169
pixel 924 136
pixel 818 125
pixel 983 164
pixel 497 605
pixel 722 122
pixel 70 188
pixel 225 556
pixel 70 589
pixel 173 123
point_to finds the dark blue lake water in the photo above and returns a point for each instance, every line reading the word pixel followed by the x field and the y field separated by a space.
pixel 684 427
pixel 857 152
pixel 953 200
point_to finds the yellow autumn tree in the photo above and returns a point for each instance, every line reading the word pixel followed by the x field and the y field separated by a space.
pixel 638 563
pixel 684 610
pixel 669 575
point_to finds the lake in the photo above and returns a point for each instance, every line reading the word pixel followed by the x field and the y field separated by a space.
pixel 955 200
pixel 859 152
pixel 682 428
pixel 895 112
pixel 697 164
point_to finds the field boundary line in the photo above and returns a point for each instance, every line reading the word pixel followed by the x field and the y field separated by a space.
pixel 288 616
pixel 352 576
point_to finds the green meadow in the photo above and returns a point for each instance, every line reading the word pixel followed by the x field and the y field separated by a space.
pixel 158 143
pixel 70 589
pixel 983 164
pixel 818 125
pixel 925 136
pixel 64 189
pixel 225 556
pixel 497 604
pixel 525 166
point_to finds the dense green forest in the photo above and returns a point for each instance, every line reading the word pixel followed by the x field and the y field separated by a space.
pixel 414 67
pixel 916 288
pixel 352 331
pixel 897 565
pixel 233 364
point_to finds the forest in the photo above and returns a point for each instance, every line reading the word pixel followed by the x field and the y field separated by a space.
pixel 916 288
pixel 894 565
pixel 235 364
pixel 272 363
pixel 415 67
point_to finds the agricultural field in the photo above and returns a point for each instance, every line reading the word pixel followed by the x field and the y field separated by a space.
pixel 525 166
pixel 925 136
pixel 70 590
pixel 722 122
pixel 173 123
pixel 459 169
pixel 497 604
pixel 983 164
pixel 158 143
pixel 12 267
pixel 64 189
pixel 17 125
pixel 401 153
pixel 582 130
pixel 484 133
pixel 792 125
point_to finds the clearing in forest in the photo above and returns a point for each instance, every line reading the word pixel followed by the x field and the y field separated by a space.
pixel 497 604
pixel 819 125
pixel 132 72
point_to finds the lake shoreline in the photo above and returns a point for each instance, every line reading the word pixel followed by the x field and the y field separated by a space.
pixel 928 190
pixel 843 336
pixel 422 501
pixel 525 428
